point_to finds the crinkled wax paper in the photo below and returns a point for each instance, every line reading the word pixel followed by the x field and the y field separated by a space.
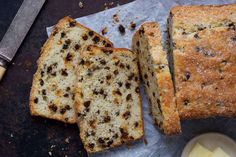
pixel 138 12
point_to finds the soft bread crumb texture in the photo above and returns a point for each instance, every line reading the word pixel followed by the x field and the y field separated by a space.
pixel 53 88
pixel 156 77
pixel 204 44
pixel 108 99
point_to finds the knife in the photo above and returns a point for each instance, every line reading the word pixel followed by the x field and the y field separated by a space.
pixel 17 31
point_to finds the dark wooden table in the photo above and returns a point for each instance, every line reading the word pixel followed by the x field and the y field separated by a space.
pixel 20 134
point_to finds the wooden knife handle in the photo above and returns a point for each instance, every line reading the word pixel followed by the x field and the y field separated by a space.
pixel 2 72
pixel 3 68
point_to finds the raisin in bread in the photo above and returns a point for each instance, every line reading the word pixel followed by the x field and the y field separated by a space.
pixel 52 93
pixel 156 77
pixel 203 45
pixel 108 98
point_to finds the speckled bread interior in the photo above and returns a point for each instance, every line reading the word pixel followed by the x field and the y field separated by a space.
pixel 203 40
pixel 53 88
pixel 108 101
pixel 156 77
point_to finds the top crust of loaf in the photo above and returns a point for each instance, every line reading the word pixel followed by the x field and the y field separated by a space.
pixel 108 101
pixel 204 43
pixel 59 49
pixel 194 18
pixel 159 79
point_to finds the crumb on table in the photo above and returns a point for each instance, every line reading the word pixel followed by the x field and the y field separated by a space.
pixel 81 4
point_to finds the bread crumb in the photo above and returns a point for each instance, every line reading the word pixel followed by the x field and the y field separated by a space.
pixel 145 141
pixel 121 29
pixel 53 146
pixel 115 18
pixel 104 30
pixel 11 135
pixel 132 26
pixel 81 5
pixel 50 153
pixel 108 5
pixel 67 140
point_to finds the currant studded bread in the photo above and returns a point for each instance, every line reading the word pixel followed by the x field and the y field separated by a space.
pixel 108 99
pixel 52 93
pixel 156 77
pixel 204 44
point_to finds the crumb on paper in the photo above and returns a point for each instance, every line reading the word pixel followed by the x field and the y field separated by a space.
pixel 129 145
pixel 67 140
pixel 104 30
pixel 81 4
pixel 121 29
pixel 145 141
pixel 132 26
pixel 115 18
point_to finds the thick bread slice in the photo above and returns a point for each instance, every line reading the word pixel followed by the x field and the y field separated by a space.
pixel 204 44
pixel 108 99
pixel 157 78
pixel 52 93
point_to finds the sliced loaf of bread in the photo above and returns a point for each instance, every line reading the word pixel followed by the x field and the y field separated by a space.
pixel 203 41
pixel 156 77
pixel 108 101
pixel 52 93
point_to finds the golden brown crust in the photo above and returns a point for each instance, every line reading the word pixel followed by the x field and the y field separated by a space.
pixel 61 25
pixel 194 18
pixel 204 60
pixel 149 35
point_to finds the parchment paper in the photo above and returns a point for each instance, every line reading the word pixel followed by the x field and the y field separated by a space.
pixel 138 12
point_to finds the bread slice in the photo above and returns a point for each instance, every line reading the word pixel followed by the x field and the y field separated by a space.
pixel 156 77
pixel 108 98
pixel 52 93
pixel 204 43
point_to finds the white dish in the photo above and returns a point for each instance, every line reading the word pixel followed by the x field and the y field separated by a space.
pixel 212 141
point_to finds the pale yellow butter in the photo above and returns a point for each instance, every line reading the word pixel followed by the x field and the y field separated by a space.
pixel 218 152
pixel 200 151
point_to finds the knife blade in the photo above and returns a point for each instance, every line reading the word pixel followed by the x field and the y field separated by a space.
pixel 17 31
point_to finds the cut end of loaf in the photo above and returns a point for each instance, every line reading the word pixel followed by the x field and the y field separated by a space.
pixel 156 77
pixel 53 89
pixel 108 99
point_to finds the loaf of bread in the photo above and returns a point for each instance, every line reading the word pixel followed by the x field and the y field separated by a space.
pixel 156 77
pixel 52 93
pixel 203 40
pixel 108 101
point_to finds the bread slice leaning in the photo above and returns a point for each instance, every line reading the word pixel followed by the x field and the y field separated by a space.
pixel 52 94
pixel 157 78
pixel 108 99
